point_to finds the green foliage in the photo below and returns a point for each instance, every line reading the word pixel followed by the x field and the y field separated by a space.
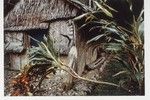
pixel 43 59
pixel 126 45
pixel 44 53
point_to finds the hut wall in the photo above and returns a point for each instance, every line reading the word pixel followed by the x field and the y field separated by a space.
pixel 14 42
pixel 59 28
pixel 15 50
pixel 17 61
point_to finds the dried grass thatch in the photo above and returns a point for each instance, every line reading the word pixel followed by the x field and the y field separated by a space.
pixel 30 14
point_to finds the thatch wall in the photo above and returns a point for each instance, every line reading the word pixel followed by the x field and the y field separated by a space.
pixel 29 14
pixel 61 31
pixel 15 50
pixel 14 42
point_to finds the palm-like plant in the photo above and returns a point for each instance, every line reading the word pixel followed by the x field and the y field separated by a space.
pixel 126 45
pixel 46 54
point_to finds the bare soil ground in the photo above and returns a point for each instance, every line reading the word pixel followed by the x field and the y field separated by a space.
pixel 52 86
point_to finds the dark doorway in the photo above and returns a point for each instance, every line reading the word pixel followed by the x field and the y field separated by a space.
pixel 38 35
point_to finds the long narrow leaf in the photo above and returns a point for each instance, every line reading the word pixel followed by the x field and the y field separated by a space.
pixel 103 9
pixel 96 38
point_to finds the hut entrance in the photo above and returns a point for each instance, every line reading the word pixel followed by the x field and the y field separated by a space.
pixel 38 35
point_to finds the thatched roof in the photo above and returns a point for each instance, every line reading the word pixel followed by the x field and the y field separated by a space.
pixel 9 5
pixel 30 14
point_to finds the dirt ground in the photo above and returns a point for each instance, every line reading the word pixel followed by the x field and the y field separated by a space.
pixel 52 86
pixel 8 76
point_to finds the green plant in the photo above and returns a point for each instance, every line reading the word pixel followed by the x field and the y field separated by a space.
pixel 43 61
pixel 49 54
pixel 125 44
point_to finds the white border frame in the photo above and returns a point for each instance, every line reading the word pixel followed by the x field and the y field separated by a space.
pixel 147 67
